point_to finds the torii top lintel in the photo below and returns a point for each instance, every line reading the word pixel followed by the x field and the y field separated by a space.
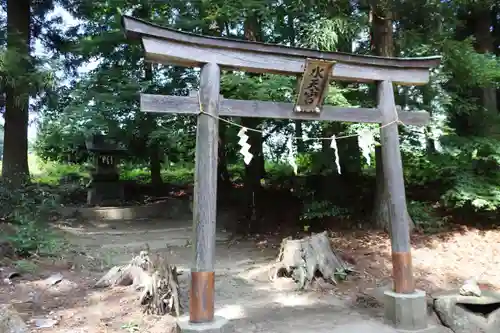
pixel 168 46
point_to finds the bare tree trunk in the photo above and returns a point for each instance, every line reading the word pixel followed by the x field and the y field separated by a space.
pixel 154 149
pixel 155 165
pixel 495 18
pixel 382 45
pixel 482 22
pixel 478 21
pixel 301 147
pixel 148 123
pixel 429 140
pixel 223 177
pixel 256 169
pixel 15 168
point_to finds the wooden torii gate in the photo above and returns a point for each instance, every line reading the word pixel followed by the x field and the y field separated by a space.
pixel 405 306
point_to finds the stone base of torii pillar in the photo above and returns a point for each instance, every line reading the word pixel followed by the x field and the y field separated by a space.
pixel 218 325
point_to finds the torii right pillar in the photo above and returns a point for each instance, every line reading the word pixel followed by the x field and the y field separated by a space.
pixel 405 307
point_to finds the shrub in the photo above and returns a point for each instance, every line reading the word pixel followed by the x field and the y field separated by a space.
pixel 322 209
pixel 425 216
pixel 28 211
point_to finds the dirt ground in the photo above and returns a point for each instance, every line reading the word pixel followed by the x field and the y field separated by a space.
pixel 243 291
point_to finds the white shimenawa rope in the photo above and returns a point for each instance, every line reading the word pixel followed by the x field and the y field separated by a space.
pixel 366 139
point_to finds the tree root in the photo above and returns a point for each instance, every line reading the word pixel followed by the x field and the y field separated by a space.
pixel 307 259
pixel 157 279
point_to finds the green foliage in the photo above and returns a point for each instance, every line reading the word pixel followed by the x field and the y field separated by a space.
pixel 425 217
pixel 329 34
pixel 174 174
pixel 470 68
pixel 322 209
pixel 25 266
pixel 31 81
pixel 463 173
pixel 29 210
pixel 53 173
pixel 467 173
pixel 475 173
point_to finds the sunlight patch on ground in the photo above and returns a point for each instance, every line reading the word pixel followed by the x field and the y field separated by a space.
pixel 258 273
pixel 292 300
pixel 235 311
pixel 460 256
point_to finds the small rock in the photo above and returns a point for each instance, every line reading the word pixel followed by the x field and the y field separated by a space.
pixel 10 321
pixel 45 322
pixel 470 288
pixel 54 279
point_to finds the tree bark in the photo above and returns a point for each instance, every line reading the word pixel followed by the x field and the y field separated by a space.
pixel 482 22
pixel 429 140
pixel 256 169
pixel 148 123
pixel 155 165
pixel 223 178
pixel 301 147
pixel 154 149
pixel 157 279
pixel 382 45
pixel 477 21
pixel 302 260
pixel 495 18
pixel 15 170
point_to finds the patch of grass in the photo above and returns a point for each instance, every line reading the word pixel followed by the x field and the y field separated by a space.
pixel 178 176
pixel 27 211
pixel 130 327
pixel 31 238
pixel 25 266
pixel 53 173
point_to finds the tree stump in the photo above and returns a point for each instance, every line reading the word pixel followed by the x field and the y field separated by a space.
pixel 157 279
pixel 308 259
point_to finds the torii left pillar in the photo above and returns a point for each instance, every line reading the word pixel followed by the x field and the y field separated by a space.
pixel 202 287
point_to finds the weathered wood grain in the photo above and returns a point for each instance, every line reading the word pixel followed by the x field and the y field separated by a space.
pixel 393 174
pixel 202 297
pixel 137 28
pixel 261 109
pixel 175 53
pixel 205 188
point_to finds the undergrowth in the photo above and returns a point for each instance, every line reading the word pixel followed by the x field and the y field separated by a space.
pixel 27 212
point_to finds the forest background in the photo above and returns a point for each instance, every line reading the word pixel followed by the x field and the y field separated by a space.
pixel 89 79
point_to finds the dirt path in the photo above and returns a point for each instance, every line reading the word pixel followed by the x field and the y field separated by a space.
pixel 243 292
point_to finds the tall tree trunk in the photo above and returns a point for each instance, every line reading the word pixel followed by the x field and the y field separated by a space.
pixel 429 139
pixel 155 165
pixel 154 148
pixel 224 185
pixel 148 123
pixel 301 147
pixel 254 172
pixel 495 18
pixel 382 45
pixel 481 16
pixel 15 170
pixel 223 178
pixel 477 21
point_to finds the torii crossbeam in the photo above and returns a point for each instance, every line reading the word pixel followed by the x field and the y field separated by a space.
pixel 405 306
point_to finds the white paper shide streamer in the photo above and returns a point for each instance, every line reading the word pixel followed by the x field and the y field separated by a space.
pixel 366 142
pixel 291 156
pixel 333 145
pixel 245 146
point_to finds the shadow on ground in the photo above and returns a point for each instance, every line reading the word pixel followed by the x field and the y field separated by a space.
pixel 243 291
